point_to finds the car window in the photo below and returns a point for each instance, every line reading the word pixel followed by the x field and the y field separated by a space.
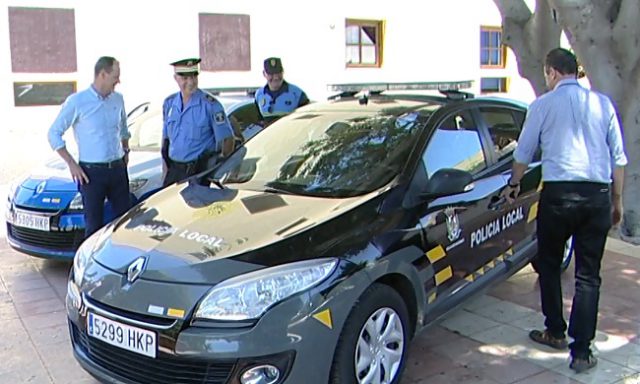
pixel 341 155
pixel 246 115
pixel 146 132
pixel 137 112
pixel 503 128
pixel 455 144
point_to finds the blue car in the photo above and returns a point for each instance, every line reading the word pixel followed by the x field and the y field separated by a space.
pixel 44 210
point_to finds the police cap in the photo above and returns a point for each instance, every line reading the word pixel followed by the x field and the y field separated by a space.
pixel 186 66
pixel 273 65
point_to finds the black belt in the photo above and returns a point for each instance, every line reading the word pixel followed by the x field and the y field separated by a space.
pixel 575 186
pixel 109 164
pixel 186 164
pixel 181 164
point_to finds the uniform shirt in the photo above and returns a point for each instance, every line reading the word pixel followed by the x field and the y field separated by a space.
pixel 280 102
pixel 99 125
pixel 578 132
pixel 201 126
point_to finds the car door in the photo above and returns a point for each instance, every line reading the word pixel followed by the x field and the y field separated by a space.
pixel 246 120
pixel 460 231
pixel 504 125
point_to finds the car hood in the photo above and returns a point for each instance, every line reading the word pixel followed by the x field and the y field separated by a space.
pixel 189 233
pixel 56 177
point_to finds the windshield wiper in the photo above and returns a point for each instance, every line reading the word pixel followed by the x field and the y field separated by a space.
pixel 277 190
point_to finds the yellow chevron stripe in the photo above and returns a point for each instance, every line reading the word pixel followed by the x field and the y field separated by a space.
pixel 432 297
pixel 490 264
pixel 533 212
pixel 509 252
pixel 436 254
pixel 444 275
pixel 469 278
pixel 480 271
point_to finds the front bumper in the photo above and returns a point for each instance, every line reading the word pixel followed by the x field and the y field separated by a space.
pixel 287 336
pixel 48 244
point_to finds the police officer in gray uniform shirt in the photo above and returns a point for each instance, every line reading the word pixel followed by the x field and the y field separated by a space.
pixel 195 126
pixel 277 98
pixel 582 171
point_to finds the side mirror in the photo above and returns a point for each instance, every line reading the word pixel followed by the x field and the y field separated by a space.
pixel 448 181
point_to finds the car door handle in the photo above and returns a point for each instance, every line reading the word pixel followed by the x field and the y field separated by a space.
pixel 496 202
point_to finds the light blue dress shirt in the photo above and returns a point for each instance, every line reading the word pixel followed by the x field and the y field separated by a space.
pixel 201 126
pixel 99 125
pixel 578 132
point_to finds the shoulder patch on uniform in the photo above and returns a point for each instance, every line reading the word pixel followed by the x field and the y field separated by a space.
pixel 219 117
pixel 210 97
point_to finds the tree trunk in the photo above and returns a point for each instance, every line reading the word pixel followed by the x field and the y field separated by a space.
pixel 604 35
pixel 531 36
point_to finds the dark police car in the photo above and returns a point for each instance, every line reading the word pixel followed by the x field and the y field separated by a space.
pixel 318 250
pixel 45 211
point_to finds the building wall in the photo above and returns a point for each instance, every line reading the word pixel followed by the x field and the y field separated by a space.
pixel 424 41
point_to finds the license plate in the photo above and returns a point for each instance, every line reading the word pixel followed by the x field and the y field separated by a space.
pixel 123 336
pixel 29 220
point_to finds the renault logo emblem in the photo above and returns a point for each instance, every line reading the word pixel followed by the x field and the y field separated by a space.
pixel 41 187
pixel 135 269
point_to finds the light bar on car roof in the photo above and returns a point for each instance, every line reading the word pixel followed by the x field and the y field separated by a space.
pixel 379 87
pixel 232 90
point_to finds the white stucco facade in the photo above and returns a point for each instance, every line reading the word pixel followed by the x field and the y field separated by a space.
pixel 423 41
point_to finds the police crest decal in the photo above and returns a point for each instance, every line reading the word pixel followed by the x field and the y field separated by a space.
pixel 453 224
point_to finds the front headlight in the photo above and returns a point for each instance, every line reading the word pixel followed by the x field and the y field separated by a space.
pixel 76 204
pixel 9 203
pixel 249 296
pixel 136 184
pixel 11 192
pixel 90 246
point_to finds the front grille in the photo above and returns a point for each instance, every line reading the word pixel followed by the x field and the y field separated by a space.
pixel 154 320
pixel 58 241
pixel 142 369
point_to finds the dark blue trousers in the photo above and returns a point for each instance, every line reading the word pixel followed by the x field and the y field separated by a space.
pixel 581 210
pixel 104 182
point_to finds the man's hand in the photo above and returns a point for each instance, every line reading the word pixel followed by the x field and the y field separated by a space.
pixel 616 212
pixel 77 174
pixel 510 193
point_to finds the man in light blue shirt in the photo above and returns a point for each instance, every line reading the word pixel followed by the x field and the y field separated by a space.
pixel 582 171
pixel 99 123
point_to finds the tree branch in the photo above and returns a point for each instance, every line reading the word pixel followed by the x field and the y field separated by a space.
pixel 625 34
pixel 516 10
pixel 530 36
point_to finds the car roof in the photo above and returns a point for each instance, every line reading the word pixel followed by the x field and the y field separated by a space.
pixel 397 102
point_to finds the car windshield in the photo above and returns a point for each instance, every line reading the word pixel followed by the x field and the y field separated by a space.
pixel 340 154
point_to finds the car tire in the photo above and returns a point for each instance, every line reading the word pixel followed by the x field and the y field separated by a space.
pixel 568 254
pixel 566 257
pixel 380 315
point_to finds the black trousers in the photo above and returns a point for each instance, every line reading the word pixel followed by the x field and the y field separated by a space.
pixel 581 210
pixel 177 171
pixel 110 181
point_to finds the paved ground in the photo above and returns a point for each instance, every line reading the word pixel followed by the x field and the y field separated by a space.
pixel 485 342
